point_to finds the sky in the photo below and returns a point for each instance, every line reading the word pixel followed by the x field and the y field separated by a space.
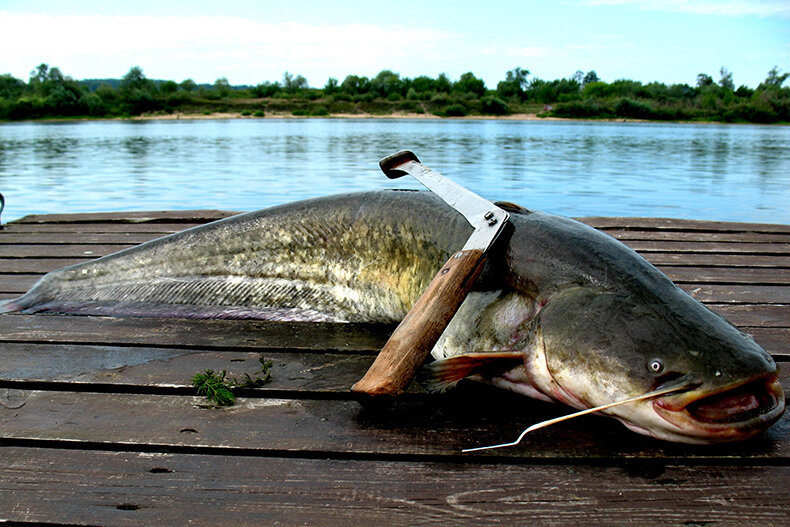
pixel 249 42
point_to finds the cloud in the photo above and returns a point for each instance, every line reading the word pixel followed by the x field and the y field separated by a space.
pixel 760 8
pixel 89 45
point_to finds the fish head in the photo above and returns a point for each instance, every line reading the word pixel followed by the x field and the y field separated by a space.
pixel 599 347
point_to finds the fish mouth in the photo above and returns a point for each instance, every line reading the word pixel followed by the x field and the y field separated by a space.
pixel 732 412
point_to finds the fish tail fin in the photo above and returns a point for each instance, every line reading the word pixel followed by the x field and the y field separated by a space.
pixel 11 305
pixel 443 374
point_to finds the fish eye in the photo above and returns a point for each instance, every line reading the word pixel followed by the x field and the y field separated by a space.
pixel 655 366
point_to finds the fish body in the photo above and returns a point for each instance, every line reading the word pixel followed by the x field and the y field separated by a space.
pixel 561 312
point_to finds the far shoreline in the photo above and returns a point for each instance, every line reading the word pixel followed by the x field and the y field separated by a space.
pixel 519 117
pixel 534 117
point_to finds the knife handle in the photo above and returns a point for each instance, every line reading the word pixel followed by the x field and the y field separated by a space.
pixel 416 335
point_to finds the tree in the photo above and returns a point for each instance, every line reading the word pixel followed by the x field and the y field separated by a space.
pixel 39 74
pixel 590 78
pixel 188 85
pixel 442 83
pixel 135 80
pixel 704 80
pixel 266 89
pixel 10 87
pixel 386 83
pixel 774 79
pixel 331 86
pixel 514 84
pixel 354 85
pixel 168 87
pixel 468 83
pixel 222 87
pixel 726 79
pixel 293 84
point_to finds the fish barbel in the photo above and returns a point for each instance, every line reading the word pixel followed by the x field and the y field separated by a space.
pixel 564 312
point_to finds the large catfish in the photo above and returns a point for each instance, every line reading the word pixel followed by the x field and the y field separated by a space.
pixel 561 312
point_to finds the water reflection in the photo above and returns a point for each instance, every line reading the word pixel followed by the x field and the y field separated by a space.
pixel 614 169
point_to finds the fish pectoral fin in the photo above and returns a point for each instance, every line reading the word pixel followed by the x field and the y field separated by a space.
pixel 444 374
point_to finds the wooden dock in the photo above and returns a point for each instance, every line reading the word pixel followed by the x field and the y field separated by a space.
pixel 99 424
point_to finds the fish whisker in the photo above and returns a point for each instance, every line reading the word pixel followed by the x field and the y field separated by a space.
pixel 543 424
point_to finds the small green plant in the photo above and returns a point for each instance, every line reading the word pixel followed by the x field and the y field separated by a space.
pixel 219 391
pixel 258 113
pixel 212 385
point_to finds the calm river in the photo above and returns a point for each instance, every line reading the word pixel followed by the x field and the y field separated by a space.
pixel 717 172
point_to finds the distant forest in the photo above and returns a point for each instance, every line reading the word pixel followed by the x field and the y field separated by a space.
pixel 49 94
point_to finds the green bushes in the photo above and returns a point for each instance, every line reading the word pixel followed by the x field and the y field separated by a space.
pixel 50 94
pixel 494 106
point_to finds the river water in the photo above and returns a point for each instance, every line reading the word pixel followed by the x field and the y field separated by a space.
pixel 696 171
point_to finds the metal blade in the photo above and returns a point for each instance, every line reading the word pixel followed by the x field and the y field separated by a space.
pixel 487 219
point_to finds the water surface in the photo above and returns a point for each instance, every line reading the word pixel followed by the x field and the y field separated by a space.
pixel 717 172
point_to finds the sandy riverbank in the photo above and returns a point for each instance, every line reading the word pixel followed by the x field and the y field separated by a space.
pixel 397 115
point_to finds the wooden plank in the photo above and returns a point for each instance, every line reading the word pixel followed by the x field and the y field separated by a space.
pixel 138 488
pixel 775 341
pixel 472 415
pixel 647 246
pixel 203 334
pixel 738 294
pixel 59 251
pixel 37 265
pixel 115 367
pixel 14 285
pixel 84 228
pixel 766 315
pixel 681 224
pixel 191 216
pixel 719 260
pixel 626 235
pixel 72 238
pixel 726 275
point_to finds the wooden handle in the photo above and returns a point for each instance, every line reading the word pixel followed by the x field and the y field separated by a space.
pixel 415 336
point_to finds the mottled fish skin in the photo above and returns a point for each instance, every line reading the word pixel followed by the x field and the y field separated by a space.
pixel 592 318
pixel 359 258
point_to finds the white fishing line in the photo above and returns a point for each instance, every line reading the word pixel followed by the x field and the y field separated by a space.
pixel 550 422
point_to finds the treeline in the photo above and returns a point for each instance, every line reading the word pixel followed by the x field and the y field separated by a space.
pixel 50 94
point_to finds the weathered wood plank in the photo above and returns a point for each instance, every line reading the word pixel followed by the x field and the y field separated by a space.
pixel 647 246
pixel 727 275
pixel 205 334
pixel 73 238
pixel 681 224
pixel 698 236
pixel 96 228
pixel 129 488
pixel 472 415
pixel 765 315
pixel 37 265
pixel 145 367
pixel 738 294
pixel 14 285
pixel 59 251
pixel 718 260
pixel 192 216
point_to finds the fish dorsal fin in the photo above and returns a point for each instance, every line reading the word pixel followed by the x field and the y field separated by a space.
pixel 509 206
pixel 443 374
